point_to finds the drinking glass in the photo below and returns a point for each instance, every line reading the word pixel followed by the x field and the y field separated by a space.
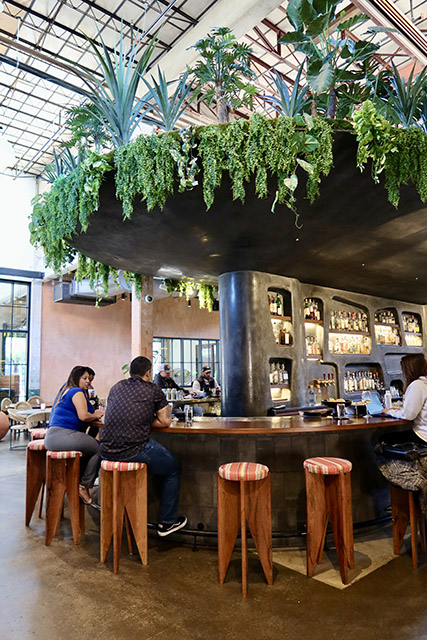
pixel 366 399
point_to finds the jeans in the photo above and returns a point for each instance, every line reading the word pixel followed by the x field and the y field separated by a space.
pixel 61 439
pixel 163 463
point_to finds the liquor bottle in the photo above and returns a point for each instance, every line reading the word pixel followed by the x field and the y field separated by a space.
pixel 279 306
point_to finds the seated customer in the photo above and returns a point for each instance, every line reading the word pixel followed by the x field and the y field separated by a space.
pixel 414 370
pixel 68 421
pixel 133 407
pixel 163 378
pixel 204 385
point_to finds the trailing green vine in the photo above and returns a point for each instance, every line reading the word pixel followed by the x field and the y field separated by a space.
pixel 187 288
pixel 270 151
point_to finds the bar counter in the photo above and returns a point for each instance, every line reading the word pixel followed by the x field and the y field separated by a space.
pixel 282 443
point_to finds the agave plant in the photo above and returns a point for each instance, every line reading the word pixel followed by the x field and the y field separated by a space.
pixel 223 72
pixel 169 109
pixel 404 99
pixel 288 104
pixel 64 162
pixel 113 96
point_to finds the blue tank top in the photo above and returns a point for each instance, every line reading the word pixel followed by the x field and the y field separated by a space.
pixel 65 413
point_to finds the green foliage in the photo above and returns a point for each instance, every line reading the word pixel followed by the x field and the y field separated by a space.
pixel 404 99
pixel 407 164
pixel 168 109
pixel 320 34
pixel 63 164
pixel 223 71
pixel 288 104
pixel 376 139
pixel 205 292
pixel 87 130
pixel 113 100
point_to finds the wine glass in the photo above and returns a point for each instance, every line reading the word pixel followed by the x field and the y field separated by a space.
pixel 366 399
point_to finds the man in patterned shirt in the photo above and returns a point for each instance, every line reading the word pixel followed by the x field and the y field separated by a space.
pixel 133 407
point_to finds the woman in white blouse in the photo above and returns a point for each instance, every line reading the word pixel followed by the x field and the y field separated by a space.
pixel 414 370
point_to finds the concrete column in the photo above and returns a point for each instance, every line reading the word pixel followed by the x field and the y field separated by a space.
pixel 35 338
pixel 142 322
pixel 244 377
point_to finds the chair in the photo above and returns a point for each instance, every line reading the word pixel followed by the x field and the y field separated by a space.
pixel 244 495
pixel 62 477
pixel 35 420
pixel 35 401
pixel 5 403
pixel 22 405
pixel 18 424
pixel 328 489
pixel 123 496
pixel 405 509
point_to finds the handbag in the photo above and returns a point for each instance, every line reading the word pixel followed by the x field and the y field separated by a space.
pixel 402 450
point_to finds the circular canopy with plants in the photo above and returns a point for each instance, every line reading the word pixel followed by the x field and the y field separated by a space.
pixel 338 86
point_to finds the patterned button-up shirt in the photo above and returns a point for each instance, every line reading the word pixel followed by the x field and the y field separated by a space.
pixel 131 408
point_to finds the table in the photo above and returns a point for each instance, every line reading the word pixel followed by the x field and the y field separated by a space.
pixel 29 413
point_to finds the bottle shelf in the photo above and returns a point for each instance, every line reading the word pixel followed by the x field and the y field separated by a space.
pixel 355 333
pixel 283 318
pixel 387 324
pixel 319 322
pixel 279 386
pixel 411 333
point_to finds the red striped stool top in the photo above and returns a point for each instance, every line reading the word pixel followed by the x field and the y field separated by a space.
pixel 243 471
pixel 38 434
pixel 328 466
pixel 63 455
pixel 36 445
pixel 115 465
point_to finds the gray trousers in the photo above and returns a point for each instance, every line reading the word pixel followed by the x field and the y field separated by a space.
pixel 60 439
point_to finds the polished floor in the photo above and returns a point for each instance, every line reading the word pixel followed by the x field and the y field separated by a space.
pixel 62 592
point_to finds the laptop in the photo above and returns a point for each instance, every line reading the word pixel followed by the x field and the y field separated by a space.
pixel 375 407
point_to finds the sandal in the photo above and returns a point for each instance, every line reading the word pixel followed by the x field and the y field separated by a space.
pixel 84 494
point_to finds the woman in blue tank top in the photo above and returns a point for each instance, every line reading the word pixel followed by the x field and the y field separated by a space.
pixel 70 416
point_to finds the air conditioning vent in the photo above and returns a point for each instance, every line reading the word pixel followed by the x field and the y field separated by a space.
pixel 63 292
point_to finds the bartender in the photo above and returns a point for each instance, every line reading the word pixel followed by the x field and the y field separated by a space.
pixel 204 385
pixel 163 378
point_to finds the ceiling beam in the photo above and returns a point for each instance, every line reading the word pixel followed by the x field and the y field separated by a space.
pixel 408 37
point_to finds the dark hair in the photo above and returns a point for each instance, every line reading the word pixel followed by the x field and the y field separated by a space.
pixel 413 366
pixel 75 374
pixel 139 366
pixel 90 371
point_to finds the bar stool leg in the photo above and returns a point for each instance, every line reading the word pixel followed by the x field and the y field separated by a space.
pixel 317 519
pixel 243 539
pixel 399 515
pixel 106 512
pixel 134 493
pixel 258 511
pixel 414 520
pixel 74 505
pixel 36 473
pixel 55 492
pixel 228 522
pixel 339 499
pixel 118 514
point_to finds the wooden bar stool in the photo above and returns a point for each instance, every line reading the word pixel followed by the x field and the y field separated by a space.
pixel 123 496
pixel 38 434
pixel 328 489
pixel 62 477
pixel 405 509
pixel 244 495
pixel 35 480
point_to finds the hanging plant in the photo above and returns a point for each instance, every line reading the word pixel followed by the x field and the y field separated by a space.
pixel 187 288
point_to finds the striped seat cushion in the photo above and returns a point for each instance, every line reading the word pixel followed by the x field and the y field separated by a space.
pixel 63 455
pixel 115 465
pixel 243 471
pixel 36 445
pixel 328 466
pixel 38 434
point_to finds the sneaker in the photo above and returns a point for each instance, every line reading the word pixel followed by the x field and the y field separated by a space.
pixel 167 529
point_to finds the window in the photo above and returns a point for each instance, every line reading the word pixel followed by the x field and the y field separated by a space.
pixel 186 357
pixel 14 323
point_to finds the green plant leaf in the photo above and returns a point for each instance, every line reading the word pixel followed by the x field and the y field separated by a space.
pixel 291 183
pixel 293 11
pixel 320 76
pixel 307 166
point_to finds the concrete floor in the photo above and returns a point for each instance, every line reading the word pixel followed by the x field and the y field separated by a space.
pixel 62 592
